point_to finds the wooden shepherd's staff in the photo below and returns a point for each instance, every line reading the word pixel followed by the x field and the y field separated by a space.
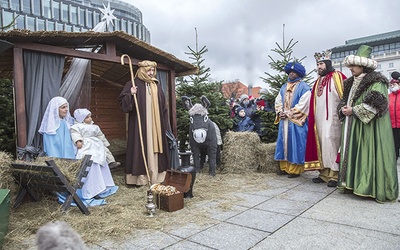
pixel 138 114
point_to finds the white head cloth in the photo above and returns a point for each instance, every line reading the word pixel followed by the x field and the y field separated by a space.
pixel 51 119
pixel 80 114
pixel 360 61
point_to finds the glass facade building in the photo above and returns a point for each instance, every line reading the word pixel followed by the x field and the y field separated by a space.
pixel 385 50
pixel 72 15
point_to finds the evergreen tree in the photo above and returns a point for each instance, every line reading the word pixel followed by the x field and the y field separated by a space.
pixel 7 128
pixel 7 124
pixel 275 82
pixel 194 87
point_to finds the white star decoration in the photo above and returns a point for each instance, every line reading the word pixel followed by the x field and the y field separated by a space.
pixel 108 14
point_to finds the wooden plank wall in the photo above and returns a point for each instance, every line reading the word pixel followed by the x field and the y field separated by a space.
pixel 105 109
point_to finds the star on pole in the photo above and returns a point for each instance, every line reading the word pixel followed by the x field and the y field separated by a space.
pixel 108 14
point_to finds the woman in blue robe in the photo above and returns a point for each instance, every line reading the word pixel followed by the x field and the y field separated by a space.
pixel 57 142
pixel 55 129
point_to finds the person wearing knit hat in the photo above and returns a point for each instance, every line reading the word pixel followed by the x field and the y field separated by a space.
pixel 248 104
pixel 243 98
pixel 291 107
pixel 324 128
pixel 367 160
pixel 242 122
pixel 89 139
pixel 394 109
pixel 395 75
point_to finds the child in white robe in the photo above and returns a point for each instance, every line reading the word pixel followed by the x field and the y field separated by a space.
pixel 89 139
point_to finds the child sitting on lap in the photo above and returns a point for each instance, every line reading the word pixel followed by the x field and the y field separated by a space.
pixel 89 139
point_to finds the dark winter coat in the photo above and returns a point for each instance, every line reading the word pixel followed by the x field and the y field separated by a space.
pixel 244 124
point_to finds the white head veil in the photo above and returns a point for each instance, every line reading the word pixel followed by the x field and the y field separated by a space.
pixel 51 119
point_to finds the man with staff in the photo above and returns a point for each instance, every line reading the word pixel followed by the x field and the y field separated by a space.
pixel 147 146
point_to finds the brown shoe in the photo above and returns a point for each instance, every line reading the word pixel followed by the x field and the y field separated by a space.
pixel 114 164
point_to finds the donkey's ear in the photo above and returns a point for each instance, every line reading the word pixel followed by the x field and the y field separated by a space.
pixel 186 102
pixel 206 103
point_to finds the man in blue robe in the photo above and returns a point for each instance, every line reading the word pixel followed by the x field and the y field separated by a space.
pixel 291 107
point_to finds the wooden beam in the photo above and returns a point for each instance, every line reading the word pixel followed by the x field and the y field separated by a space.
pixel 19 95
pixel 72 52
pixel 110 48
pixel 82 54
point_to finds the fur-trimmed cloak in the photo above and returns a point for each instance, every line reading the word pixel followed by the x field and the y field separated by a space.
pixel 368 161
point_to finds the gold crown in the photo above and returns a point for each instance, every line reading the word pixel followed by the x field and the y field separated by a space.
pixel 325 55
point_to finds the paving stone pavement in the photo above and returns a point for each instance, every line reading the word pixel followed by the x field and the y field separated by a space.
pixel 292 214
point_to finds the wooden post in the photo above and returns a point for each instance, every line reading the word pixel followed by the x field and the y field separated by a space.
pixel 19 98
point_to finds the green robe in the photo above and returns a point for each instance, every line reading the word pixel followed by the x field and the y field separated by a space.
pixel 368 159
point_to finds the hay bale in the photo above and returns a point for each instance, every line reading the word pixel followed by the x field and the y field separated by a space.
pixel 69 167
pixel 6 179
pixel 239 153
pixel 267 164
pixel 125 213
pixel 117 146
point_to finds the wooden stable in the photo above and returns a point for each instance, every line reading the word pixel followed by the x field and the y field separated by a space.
pixel 107 74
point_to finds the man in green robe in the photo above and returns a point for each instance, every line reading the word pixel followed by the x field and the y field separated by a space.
pixel 367 159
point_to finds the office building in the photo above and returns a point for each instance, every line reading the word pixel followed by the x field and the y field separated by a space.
pixel 72 15
pixel 385 50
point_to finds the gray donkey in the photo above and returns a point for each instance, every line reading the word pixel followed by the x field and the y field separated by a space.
pixel 204 135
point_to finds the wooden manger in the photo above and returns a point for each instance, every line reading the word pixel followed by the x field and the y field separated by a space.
pixel 32 178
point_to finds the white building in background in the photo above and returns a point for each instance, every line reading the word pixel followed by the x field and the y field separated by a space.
pixel 385 50
pixel 71 15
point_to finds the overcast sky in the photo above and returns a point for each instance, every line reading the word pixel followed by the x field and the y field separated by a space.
pixel 239 34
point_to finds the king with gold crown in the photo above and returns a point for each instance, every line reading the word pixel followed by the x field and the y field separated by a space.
pixel 324 129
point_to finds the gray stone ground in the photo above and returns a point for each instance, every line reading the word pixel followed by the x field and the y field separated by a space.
pixel 294 214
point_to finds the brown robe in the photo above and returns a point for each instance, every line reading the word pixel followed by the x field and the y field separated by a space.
pixel 134 165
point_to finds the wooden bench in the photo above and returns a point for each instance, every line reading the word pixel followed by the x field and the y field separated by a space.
pixel 41 177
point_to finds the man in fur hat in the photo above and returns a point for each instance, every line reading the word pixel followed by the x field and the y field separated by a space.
pixel 324 128
pixel 291 107
pixel 367 160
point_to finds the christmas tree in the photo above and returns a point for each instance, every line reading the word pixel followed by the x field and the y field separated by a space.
pixel 275 82
pixel 7 128
pixel 194 87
